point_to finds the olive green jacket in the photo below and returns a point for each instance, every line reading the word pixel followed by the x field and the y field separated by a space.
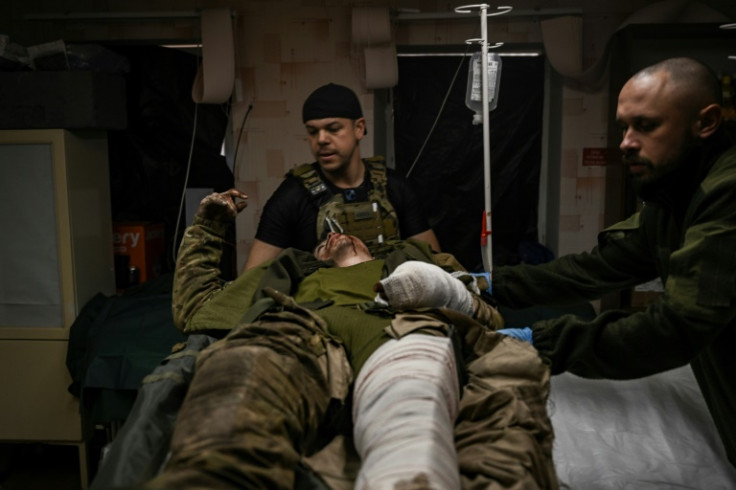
pixel 686 235
pixel 203 302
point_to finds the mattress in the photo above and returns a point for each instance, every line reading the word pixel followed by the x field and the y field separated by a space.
pixel 649 433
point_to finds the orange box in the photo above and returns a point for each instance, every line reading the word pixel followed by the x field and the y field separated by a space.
pixel 143 244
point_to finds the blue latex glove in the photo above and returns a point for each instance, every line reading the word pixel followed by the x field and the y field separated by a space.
pixel 524 334
pixel 487 276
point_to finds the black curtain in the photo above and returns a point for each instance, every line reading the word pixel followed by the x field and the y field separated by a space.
pixel 448 176
pixel 148 159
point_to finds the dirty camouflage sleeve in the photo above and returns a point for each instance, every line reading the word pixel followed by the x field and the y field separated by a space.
pixel 197 275
pixel 486 314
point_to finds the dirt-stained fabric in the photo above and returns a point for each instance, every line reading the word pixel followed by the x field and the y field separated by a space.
pixel 503 433
pixel 270 392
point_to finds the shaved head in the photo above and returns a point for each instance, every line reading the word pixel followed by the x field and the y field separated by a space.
pixel 693 84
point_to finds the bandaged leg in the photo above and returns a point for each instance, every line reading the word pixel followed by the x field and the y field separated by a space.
pixel 405 403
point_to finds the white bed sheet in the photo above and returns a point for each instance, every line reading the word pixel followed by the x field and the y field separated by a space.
pixel 650 433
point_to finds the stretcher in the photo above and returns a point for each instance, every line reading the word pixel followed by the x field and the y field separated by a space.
pixel 649 433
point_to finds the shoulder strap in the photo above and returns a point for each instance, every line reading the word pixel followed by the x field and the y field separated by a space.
pixel 376 170
pixel 316 187
pixel 379 192
pixel 311 181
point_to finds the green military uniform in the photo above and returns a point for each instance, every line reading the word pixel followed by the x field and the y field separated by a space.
pixel 273 392
pixel 686 235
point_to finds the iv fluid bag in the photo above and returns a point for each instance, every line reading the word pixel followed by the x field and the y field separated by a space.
pixel 474 92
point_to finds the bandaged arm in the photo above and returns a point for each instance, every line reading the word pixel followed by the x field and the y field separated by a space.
pixel 416 284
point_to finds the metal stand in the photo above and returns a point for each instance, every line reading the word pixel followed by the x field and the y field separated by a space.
pixel 486 229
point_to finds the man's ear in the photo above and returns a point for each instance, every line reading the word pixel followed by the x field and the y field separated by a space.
pixel 708 121
pixel 359 125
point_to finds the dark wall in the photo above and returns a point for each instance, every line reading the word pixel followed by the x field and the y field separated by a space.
pixel 149 160
pixel 449 174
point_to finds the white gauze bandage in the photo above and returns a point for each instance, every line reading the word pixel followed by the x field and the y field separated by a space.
pixel 404 407
pixel 416 284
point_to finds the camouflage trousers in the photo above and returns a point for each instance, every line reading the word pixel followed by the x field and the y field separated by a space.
pixel 503 434
pixel 261 398
pixel 273 391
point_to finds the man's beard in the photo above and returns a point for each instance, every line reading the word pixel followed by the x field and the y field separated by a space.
pixel 654 179
pixel 664 175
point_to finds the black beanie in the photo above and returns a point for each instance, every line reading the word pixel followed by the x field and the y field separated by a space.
pixel 331 100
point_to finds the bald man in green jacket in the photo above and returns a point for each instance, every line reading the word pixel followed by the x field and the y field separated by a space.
pixel 683 163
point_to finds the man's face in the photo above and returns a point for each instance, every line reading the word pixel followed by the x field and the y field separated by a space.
pixel 343 249
pixel 334 141
pixel 658 129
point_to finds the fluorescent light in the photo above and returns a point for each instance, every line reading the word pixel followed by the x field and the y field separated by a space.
pixel 528 54
pixel 182 46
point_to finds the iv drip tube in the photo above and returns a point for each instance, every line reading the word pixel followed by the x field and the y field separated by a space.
pixel 486 229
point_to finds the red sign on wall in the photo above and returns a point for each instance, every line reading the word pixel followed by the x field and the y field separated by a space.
pixel 595 157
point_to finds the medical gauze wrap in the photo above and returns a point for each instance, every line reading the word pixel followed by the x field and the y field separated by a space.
pixel 404 407
pixel 416 284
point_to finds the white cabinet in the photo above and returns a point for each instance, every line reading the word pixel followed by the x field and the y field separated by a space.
pixel 55 255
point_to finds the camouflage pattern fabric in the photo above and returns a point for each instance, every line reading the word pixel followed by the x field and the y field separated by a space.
pixel 503 434
pixel 270 392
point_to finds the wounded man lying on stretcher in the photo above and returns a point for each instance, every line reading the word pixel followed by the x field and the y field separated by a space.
pixel 396 356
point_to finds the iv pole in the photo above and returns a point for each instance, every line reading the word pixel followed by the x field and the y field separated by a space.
pixel 486 229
